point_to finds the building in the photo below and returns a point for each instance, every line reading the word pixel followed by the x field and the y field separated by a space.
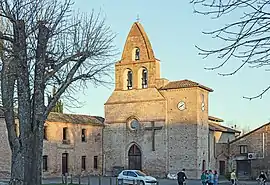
pixel 250 153
pixel 220 135
pixel 5 165
pixel 153 124
pixel 72 144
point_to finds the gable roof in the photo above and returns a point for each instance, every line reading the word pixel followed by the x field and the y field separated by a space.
pixel 221 128
pixel 184 84
pixel 248 133
pixel 137 31
pixel 75 119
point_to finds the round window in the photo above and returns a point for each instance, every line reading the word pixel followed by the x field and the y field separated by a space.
pixel 134 124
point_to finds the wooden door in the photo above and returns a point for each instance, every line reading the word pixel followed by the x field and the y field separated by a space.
pixel 134 158
pixel 64 163
pixel 243 169
pixel 222 167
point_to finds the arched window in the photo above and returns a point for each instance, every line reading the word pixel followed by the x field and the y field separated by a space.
pixel 129 79
pixel 137 54
pixel 144 78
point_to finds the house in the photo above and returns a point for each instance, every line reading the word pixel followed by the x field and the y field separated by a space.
pixel 250 153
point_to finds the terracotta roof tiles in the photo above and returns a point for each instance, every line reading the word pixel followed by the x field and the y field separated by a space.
pixel 74 118
pixel 184 84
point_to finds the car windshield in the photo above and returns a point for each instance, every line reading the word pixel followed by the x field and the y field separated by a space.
pixel 140 173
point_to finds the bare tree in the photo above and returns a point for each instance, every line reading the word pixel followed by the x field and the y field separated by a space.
pixel 44 44
pixel 246 38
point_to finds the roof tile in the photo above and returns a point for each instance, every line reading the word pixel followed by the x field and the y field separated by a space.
pixel 74 118
pixel 184 84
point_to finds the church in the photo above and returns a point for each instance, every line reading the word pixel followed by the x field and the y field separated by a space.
pixel 151 123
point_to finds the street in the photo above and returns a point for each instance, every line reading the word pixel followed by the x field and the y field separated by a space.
pixel 106 181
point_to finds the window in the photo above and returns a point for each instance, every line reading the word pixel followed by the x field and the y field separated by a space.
pixel 45 137
pixel 83 135
pixel 131 174
pixel 45 163
pixel 137 54
pixel 83 162
pixel 139 173
pixel 144 78
pixel 129 79
pixel 243 149
pixel 95 162
pixel 125 173
pixel 65 133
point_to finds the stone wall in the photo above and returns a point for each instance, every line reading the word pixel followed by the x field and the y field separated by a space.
pixel 257 143
pixel 144 105
pixel 187 131
pixel 54 148
pixel 5 152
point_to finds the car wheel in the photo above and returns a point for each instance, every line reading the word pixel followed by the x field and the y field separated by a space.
pixel 120 182
pixel 141 183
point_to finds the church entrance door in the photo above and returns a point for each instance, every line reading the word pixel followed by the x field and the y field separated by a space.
pixel 134 158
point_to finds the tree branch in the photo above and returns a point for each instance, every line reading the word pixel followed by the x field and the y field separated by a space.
pixel 247 39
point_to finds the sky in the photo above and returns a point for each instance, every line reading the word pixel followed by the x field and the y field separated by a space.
pixel 174 30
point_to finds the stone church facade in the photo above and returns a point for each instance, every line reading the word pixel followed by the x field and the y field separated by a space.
pixel 151 123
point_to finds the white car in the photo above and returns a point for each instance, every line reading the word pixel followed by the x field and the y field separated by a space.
pixel 135 176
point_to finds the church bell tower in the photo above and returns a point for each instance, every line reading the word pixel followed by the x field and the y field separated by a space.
pixel 138 67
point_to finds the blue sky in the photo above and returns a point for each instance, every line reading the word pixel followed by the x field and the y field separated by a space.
pixel 174 30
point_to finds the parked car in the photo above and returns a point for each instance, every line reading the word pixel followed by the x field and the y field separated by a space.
pixel 140 178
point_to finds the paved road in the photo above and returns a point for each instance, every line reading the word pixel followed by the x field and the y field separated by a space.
pixel 106 181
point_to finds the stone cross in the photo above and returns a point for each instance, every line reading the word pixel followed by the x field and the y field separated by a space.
pixel 153 129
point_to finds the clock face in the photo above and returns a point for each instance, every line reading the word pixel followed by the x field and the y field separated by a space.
pixel 181 105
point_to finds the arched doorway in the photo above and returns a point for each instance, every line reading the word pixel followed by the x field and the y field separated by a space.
pixel 134 158
pixel 203 166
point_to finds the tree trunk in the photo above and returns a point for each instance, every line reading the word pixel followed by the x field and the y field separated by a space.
pixel 16 168
pixel 32 170
pixel 34 149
